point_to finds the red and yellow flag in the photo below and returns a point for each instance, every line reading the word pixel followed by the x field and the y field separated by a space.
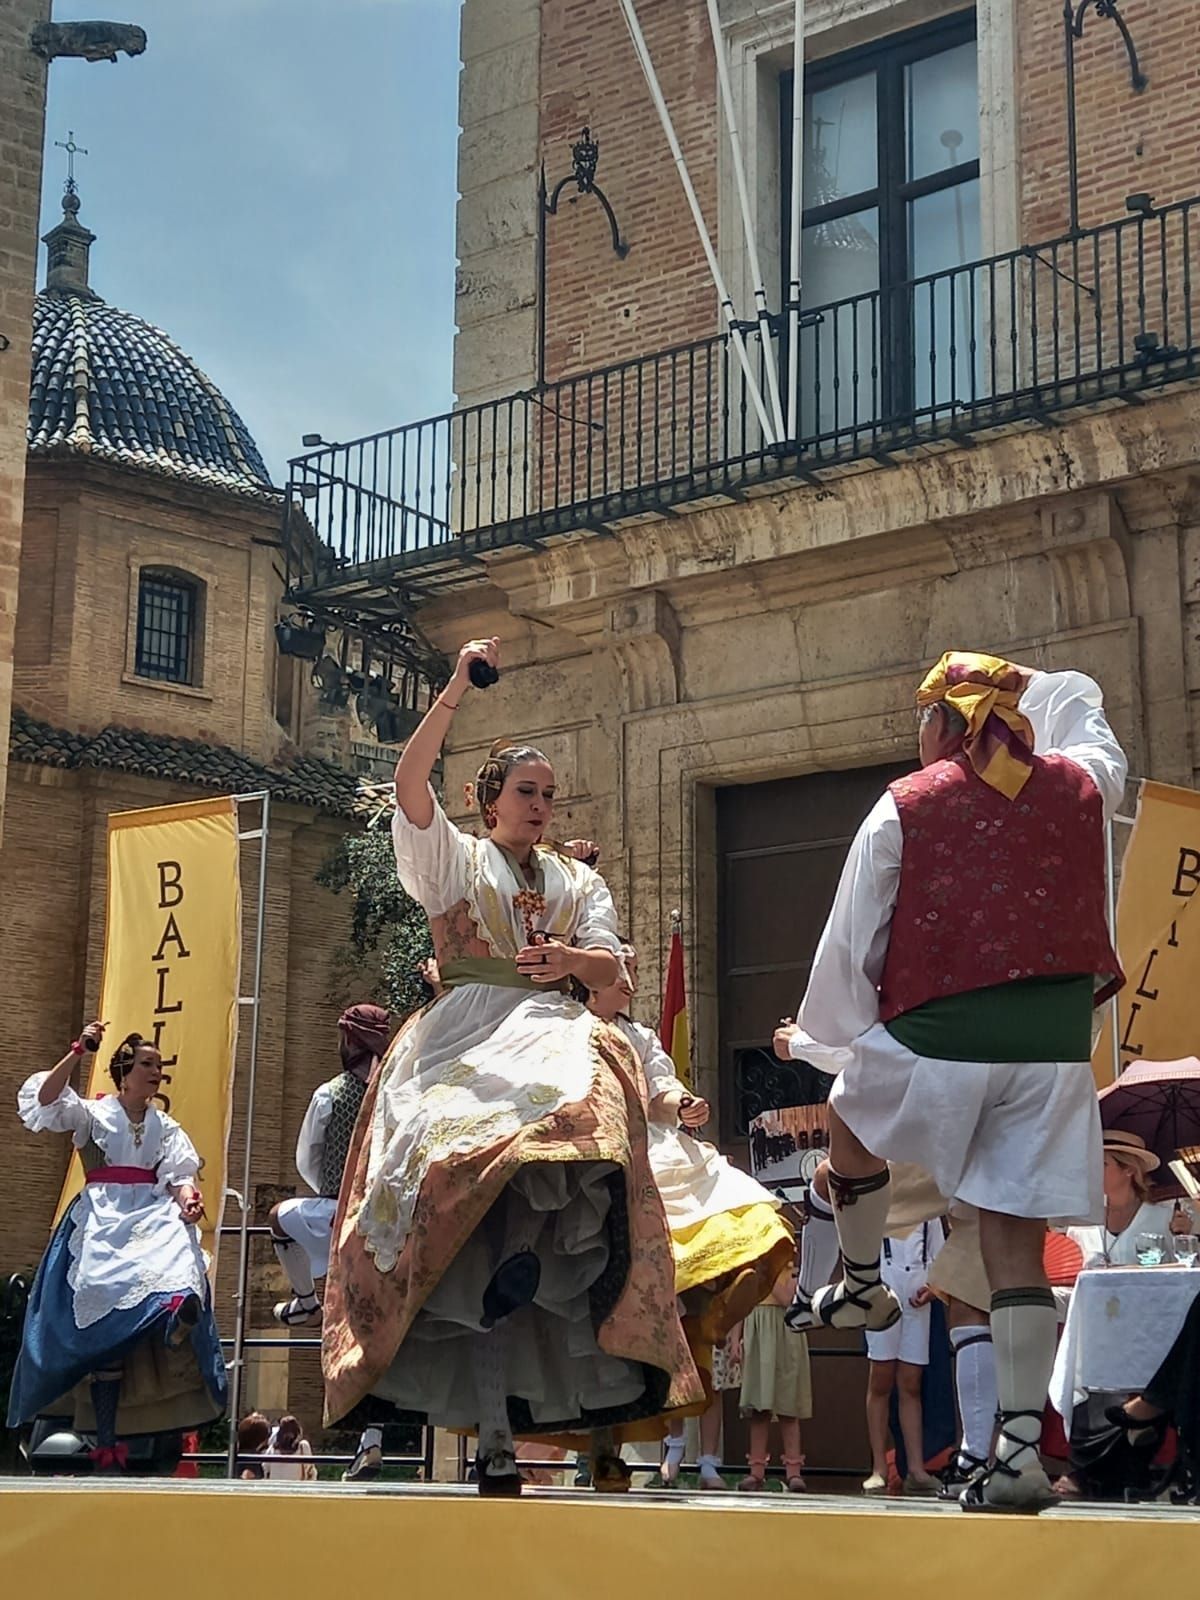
pixel 673 1030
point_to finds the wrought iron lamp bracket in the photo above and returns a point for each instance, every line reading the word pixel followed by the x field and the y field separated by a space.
pixel 1074 15
pixel 1108 8
pixel 585 158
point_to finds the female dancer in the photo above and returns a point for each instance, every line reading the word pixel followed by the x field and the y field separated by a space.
pixel 729 1241
pixel 501 1260
pixel 119 1328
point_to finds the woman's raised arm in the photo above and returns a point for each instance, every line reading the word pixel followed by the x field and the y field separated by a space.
pixel 420 754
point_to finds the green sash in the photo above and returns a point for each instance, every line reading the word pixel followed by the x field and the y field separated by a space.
pixel 497 973
pixel 1035 1019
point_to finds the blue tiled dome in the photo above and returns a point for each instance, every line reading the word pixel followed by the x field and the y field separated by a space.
pixel 109 385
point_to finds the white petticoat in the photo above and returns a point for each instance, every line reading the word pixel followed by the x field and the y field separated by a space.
pixel 1019 1137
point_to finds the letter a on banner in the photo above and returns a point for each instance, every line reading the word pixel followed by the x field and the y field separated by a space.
pixel 1158 934
pixel 172 949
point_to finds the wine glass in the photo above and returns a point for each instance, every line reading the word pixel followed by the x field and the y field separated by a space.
pixel 1151 1248
pixel 1186 1247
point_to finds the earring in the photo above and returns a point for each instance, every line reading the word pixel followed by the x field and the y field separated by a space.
pixel 489 817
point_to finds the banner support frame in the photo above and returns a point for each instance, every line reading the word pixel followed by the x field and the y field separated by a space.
pixel 261 797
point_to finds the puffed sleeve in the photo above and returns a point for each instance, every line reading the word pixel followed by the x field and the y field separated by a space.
pixel 433 862
pixel 179 1161
pixel 1066 712
pixel 842 1000
pixel 67 1114
pixel 656 1063
pixel 597 925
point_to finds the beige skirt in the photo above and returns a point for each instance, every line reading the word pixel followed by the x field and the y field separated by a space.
pixel 776 1376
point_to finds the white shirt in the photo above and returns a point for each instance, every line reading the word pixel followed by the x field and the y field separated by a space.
pixel 1099 1246
pixel 310 1144
pixel 1066 711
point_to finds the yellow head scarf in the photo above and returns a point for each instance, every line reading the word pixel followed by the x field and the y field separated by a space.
pixel 986 691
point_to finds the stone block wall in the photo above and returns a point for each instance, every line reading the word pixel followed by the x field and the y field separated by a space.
pixel 22 117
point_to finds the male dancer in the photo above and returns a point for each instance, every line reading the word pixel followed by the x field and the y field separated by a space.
pixel 301 1229
pixel 953 989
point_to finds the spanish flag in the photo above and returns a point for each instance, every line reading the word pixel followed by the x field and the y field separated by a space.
pixel 673 1030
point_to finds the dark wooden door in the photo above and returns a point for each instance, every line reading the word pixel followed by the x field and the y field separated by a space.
pixel 780 846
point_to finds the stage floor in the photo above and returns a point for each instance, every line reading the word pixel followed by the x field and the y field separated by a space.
pixel 135 1541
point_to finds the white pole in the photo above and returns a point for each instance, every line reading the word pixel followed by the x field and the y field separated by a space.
pixel 793 417
pixel 254 1000
pixel 739 169
pixel 1110 908
pixel 727 307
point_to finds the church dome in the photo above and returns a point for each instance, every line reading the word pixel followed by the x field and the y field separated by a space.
pixel 108 385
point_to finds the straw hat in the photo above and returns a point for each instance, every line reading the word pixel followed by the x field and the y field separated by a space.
pixel 1130 1147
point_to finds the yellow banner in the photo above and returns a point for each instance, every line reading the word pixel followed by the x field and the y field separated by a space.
pixel 172 956
pixel 1157 939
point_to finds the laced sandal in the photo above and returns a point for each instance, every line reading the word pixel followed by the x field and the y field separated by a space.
pixel 294 1313
pixel 875 1487
pixel 870 1305
pixel 964 1469
pixel 366 1466
pixel 1014 1492
pixel 799 1315
pixel 755 1481
pixel 793 1477
pixel 710 1478
pixel 493 1484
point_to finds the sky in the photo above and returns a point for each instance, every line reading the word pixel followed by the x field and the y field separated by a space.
pixel 273 184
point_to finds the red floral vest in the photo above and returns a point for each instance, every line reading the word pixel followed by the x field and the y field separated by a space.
pixel 993 890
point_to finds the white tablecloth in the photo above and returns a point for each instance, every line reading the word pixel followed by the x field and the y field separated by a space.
pixel 1121 1323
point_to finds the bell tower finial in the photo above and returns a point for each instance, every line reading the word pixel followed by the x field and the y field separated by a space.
pixel 69 245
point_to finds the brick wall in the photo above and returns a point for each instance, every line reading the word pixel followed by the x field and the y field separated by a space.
pixel 89 530
pixel 1127 142
pixel 22 115
pixel 600 309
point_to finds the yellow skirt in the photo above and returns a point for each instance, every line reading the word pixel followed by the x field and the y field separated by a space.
pixel 737 1256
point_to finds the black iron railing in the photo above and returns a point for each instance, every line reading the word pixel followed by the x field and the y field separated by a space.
pixel 1082 320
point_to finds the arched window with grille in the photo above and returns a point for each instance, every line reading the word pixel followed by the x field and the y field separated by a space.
pixel 169 616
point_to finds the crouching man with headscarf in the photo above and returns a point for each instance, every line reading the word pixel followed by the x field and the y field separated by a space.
pixel 953 990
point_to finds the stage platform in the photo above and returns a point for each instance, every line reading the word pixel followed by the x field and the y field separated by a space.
pixel 139 1541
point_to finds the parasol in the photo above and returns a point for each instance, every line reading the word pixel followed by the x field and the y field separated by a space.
pixel 1160 1100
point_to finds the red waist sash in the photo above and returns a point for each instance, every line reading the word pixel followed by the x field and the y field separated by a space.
pixel 122 1175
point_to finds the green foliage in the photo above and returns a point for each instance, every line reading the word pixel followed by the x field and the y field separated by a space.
pixel 389 932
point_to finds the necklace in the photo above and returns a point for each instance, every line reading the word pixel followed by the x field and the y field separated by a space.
pixel 137 1129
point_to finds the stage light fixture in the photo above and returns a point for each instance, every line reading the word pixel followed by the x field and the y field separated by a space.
pixel 298 637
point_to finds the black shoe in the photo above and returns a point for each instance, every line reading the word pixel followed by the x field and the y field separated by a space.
pixel 1144 1437
pixel 513 1285
pixel 501 1485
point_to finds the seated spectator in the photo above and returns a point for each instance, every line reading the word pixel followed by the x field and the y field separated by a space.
pixel 253 1436
pixel 1128 1208
pixel 288 1456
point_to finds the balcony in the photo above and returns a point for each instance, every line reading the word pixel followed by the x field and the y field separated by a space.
pixel 1086 321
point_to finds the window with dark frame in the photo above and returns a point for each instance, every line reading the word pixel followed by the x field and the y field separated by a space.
pixel 166 627
pixel 891 198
